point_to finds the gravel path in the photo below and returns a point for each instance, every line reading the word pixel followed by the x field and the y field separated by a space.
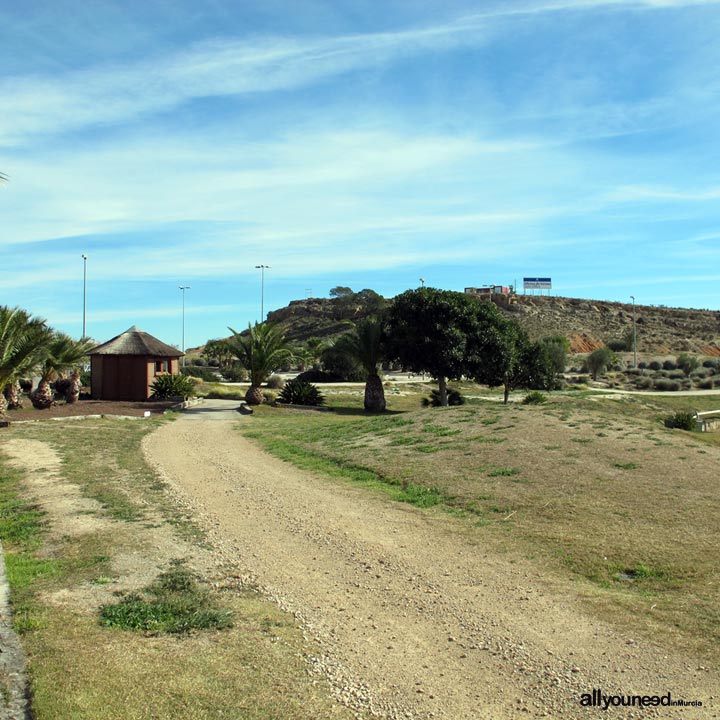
pixel 415 618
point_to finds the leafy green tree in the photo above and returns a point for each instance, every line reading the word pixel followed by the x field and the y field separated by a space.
pixel 365 346
pixel 556 348
pixel 599 360
pixel 23 344
pixel 260 350
pixel 444 333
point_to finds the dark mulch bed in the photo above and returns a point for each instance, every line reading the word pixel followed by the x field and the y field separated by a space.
pixel 89 407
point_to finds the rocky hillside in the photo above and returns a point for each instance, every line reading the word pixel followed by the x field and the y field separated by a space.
pixel 587 323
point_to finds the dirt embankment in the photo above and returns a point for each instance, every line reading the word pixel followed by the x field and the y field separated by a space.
pixel 415 618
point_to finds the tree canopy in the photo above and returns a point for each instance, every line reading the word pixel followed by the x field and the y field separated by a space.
pixel 444 333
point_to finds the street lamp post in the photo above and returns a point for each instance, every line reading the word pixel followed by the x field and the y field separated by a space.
pixel 183 288
pixel 634 334
pixel 422 282
pixel 84 257
pixel 262 269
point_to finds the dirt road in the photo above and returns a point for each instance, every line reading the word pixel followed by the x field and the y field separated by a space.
pixel 415 618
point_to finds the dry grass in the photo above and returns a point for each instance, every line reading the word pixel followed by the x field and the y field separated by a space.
pixel 80 670
pixel 596 489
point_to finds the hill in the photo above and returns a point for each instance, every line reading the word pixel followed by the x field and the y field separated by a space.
pixel 588 324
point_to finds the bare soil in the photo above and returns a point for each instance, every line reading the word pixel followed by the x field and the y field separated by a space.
pixel 416 619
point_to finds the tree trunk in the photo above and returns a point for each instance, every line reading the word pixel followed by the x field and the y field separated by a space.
pixel 254 395
pixel 506 395
pixel 13 395
pixel 73 392
pixel 42 398
pixel 374 394
pixel 442 386
pixel 3 404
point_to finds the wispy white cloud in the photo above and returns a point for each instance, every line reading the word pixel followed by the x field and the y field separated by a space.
pixel 42 105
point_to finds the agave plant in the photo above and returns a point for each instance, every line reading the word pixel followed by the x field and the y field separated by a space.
pixel 364 344
pixel 262 349
pixel 63 355
pixel 23 344
pixel 300 392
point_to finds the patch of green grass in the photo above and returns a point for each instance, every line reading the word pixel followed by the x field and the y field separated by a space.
pixel 24 569
pixel 626 465
pixel 440 431
pixel 174 603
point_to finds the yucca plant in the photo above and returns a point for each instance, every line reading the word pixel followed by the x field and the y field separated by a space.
pixel 23 345
pixel 167 386
pixel 364 345
pixel 262 349
pixel 64 354
pixel 300 392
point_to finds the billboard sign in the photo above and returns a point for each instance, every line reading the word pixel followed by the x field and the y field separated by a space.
pixel 537 284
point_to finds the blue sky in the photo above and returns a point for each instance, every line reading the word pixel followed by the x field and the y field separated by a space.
pixel 352 142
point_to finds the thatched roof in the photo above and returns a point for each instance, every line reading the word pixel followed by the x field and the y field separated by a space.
pixel 136 342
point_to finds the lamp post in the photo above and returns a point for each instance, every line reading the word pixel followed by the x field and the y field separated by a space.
pixel 634 334
pixel 183 288
pixel 422 282
pixel 262 269
pixel 84 257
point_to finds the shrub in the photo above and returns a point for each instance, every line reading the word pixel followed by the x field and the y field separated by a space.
pixel 235 374
pixel 204 373
pixel 275 382
pixel 669 365
pixel 454 398
pixel 676 375
pixel 166 386
pixel 655 365
pixel 642 365
pixel 598 361
pixel 666 385
pixel 320 376
pixel 300 392
pixel 687 363
pixel 706 384
pixel 535 397
pixel 711 364
pixel 643 383
pixel 269 397
pixel 200 362
pixel 683 420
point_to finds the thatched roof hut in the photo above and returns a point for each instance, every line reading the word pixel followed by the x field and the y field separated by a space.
pixel 125 367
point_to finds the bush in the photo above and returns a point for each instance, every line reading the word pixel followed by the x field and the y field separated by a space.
pixel 642 365
pixel 655 365
pixel 711 364
pixel 534 398
pixel 204 373
pixel 269 397
pixel 687 363
pixel 683 420
pixel 669 365
pixel 319 376
pixel 666 385
pixel 235 374
pixel 599 360
pixel 275 382
pixel 199 362
pixel 676 375
pixel 166 386
pixel 643 383
pixel 454 398
pixel 706 384
pixel 300 392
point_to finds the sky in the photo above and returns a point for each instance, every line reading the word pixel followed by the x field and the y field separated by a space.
pixel 360 143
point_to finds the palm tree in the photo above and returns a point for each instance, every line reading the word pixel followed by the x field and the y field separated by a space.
pixel 23 342
pixel 364 344
pixel 260 351
pixel 63 354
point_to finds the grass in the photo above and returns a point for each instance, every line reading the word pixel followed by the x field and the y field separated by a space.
pixel 174 603
pixel 200 651
pixel 519 477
